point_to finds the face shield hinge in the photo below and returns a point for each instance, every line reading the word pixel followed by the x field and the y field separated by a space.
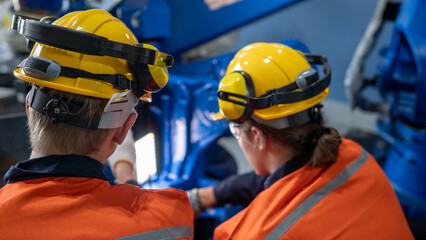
pixel 121 82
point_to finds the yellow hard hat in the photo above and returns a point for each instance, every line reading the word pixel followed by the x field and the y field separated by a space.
pixel 271 81
pixel 90 53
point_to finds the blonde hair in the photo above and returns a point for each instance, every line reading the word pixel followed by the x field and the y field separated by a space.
pixel 64 138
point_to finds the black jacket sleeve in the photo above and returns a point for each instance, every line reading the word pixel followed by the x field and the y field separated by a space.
pixel 239 189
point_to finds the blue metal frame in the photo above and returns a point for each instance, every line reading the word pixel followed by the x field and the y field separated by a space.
pixel 44 5
pixel 187 129
pixel 405 164
pixel 193 23
pixel 403 84
pixel 148 20
pixel 403 76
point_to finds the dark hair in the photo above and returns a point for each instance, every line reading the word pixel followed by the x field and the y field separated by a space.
pixel 316 144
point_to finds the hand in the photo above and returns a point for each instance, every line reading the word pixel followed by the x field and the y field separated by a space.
pixel 124 172
pixel 122 161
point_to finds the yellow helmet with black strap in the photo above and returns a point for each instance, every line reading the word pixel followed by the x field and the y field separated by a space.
pixel 94 54
pixel 95 42
pixel 271 81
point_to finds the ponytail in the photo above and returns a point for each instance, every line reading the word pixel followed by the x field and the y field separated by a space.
pixel 317 145
pixel 325 146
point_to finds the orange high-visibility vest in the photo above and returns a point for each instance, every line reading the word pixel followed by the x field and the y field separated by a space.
pixel 351 199
pixel 89 208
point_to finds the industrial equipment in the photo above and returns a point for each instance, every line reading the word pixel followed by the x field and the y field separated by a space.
pixel 401 81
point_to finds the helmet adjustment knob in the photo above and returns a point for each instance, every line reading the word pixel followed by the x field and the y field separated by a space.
pixel 54 112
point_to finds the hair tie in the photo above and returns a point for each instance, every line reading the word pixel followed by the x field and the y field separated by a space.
pixel 319 132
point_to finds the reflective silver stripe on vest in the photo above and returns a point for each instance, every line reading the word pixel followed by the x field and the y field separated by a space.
pixel 312 200
pixel 162 234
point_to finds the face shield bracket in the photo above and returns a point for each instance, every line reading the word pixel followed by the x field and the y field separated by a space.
pixel 87 43
pixel 138 57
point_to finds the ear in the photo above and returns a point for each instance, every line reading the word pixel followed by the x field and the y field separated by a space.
pixel 121 133
pixel 258 137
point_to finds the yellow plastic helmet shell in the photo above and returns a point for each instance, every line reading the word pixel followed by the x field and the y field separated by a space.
pixel 270 66
pixel 98 22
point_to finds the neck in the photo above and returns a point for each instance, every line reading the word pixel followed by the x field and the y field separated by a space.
pixel 276 156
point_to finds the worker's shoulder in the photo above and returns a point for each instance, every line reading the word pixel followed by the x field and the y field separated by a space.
pixel 166 193
pixel 164 204
pixel 159 195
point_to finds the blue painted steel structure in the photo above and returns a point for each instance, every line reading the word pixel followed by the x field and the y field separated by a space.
pixel 183 111
pixel 403 84
pixel 40 5
pixel 148 20
pixel 193 23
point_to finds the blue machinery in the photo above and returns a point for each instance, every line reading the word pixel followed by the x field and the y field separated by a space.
pixel 190 156
pixel 401 81
pixel 404 85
